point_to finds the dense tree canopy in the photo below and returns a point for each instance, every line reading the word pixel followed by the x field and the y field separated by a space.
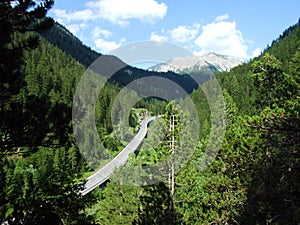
pixel 254 178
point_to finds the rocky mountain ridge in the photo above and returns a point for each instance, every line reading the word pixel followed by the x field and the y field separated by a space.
pixel 210 62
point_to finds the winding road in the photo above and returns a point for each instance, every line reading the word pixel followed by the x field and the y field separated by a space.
pixel 106 171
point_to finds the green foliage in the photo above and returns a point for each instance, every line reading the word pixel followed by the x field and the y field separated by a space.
pixel 41 167
pixel 217 194
pixel 17 18
pixel 258 158
pixel 156 206
pixel 273 86
pixel 210 198
pixel 119 204
pixel 278 130
pixel 60 37
pixel 63 39
pixel 240 87
pixel 286 45
pixel 122 204
pixel 39 185
pixel 40 189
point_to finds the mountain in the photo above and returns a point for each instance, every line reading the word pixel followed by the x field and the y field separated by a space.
pixel 42 166
pixel 60 37
pixel 210 62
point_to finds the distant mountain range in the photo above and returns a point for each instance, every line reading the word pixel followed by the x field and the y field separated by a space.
pixel 187 72
pixel 207 63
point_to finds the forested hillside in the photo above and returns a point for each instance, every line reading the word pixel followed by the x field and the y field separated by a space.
pixel 254 178
pixel 66 41
pixel 63 39
pixel 259 157
pixel 38 160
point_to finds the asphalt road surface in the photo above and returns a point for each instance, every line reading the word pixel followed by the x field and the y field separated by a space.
pixel 106 171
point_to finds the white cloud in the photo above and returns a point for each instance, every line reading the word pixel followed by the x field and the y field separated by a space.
pixel 120 11
pixel 180 34
pixel 184 34
pixel 222 18
pixel 256 52
pixel 97 32
pixel 158 38
pixel 76 28
pixel 80 15
pixel 223 37
pixel 106 46
pixel 117 11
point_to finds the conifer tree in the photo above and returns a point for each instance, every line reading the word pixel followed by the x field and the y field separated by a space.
pixel 17 18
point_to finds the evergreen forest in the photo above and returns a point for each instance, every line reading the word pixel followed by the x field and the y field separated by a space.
pixel 253 179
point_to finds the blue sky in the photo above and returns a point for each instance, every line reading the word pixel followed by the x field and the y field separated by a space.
pixel 239 28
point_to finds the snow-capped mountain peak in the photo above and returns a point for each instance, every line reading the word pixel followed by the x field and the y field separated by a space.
pixel 207 62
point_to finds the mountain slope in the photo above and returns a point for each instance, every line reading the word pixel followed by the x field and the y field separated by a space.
pixel 285 46
pixel 66 41
pixel 59 36
pixel 210 62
